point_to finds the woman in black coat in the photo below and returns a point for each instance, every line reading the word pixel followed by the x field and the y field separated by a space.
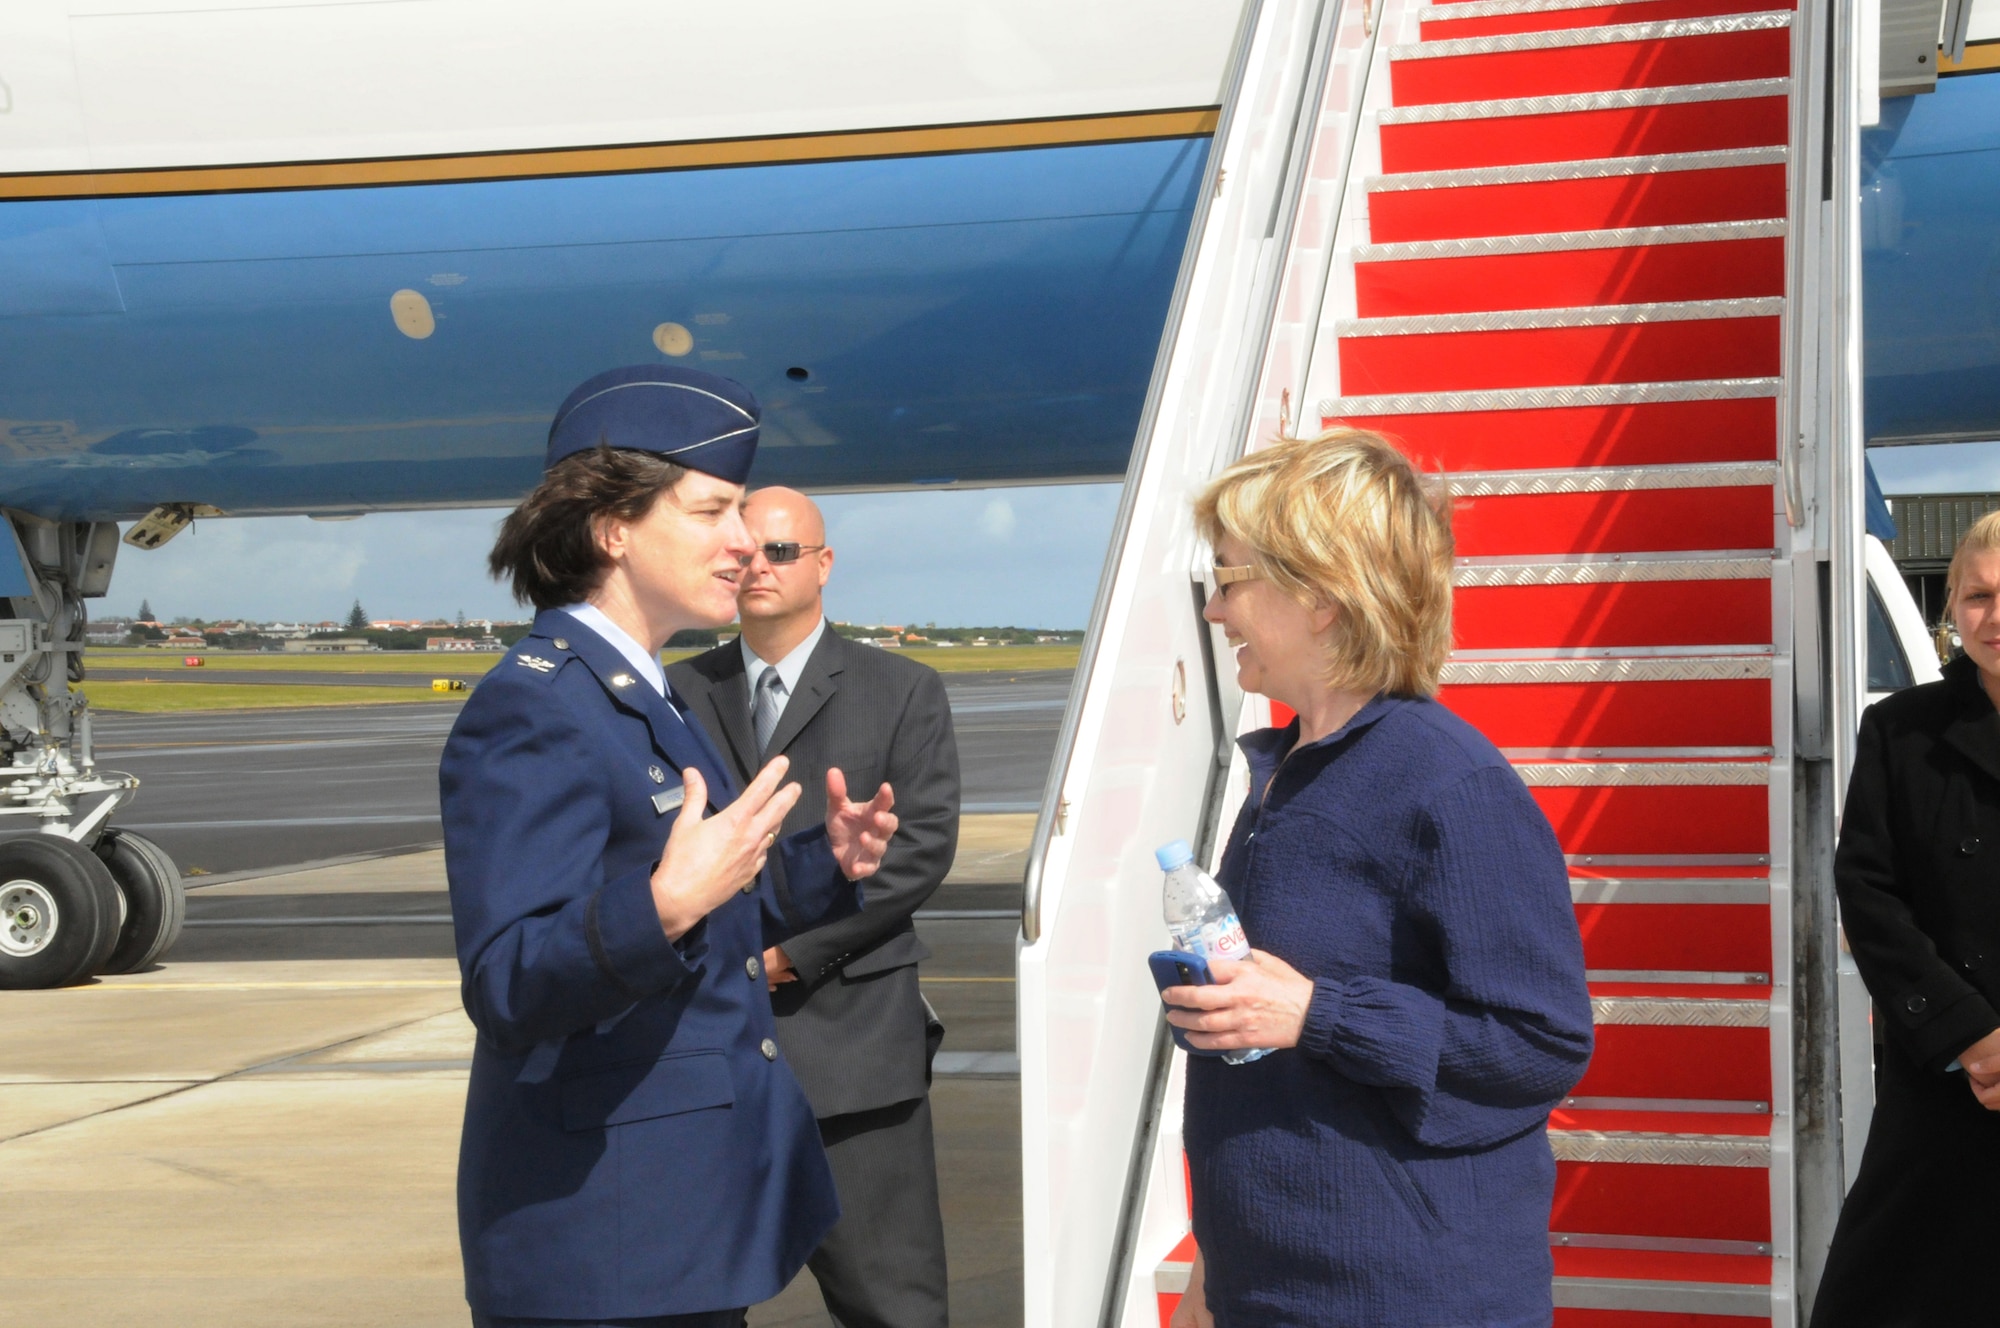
pixel 1918 870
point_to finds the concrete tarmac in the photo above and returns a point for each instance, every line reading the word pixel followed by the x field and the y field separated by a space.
pixel 263 1130
pixel 251 791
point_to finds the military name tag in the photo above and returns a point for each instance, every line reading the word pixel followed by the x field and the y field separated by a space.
pixel 669 800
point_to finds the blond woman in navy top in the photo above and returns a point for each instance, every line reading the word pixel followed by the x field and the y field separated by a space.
pixel 635 1151
pixel 1414 957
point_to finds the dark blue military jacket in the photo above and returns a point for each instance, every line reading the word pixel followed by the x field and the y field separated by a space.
pixel 632 1144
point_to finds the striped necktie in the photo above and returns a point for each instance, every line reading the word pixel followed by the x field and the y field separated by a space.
pixel 770 704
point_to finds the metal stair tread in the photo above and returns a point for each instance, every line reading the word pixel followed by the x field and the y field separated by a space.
pixel 1503 575
pixel 1590 315
pixel 1547 398
pixel 1659 1147
pixel 1466 9
pixel 1748 891
pixel 1606 35
pixel 1563 103
pixel 1611 479
pixel 1661 1266
pixel 1654 773
pixel 1541 242
pixel 1608 669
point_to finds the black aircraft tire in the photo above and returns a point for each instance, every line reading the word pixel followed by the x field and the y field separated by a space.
pixel 58 912
pixel 155 899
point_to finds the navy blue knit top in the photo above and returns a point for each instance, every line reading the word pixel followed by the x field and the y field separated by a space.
pixel 1394 1167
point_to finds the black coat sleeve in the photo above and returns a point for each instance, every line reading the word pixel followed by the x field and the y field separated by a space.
pixel 922 768
pixel 1930 1010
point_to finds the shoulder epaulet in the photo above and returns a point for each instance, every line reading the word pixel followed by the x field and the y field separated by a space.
pixel 538 656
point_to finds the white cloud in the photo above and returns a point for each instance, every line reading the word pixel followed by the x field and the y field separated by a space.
pixel 997 519
pixel 1941 468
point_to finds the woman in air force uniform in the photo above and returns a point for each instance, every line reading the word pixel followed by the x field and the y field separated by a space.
pixel 634 1151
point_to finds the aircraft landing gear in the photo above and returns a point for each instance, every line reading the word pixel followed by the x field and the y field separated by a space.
pixel 155 900
pixel 77 898
pixel 60 911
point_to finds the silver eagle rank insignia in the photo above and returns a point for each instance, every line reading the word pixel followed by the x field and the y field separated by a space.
pixel 535 662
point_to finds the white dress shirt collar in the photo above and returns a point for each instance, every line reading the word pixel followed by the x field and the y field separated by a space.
pixel 790 669
pixel 647 664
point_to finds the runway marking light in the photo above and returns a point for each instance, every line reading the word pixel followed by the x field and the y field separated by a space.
pixel 192 661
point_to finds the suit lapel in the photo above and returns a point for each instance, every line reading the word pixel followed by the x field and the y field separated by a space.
pixel 1975 728
pixel 728 700
pixel 820 681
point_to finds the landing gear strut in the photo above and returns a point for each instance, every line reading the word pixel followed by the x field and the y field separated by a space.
pixel 76 897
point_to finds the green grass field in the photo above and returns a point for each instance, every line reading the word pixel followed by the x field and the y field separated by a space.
pixel 164 692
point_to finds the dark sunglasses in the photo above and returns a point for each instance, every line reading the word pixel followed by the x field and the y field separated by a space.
pixel 787 551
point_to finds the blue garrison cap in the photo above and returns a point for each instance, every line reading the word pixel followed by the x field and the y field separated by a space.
pixel 694 419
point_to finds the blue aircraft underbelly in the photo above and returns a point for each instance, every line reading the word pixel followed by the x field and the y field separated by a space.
pixel 1930 225
pixel 978 318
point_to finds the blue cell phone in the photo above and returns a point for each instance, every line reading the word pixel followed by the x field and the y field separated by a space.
pixel 1180 968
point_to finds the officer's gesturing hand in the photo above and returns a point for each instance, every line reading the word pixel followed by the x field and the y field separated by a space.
pixel 708 860
pixel 858 832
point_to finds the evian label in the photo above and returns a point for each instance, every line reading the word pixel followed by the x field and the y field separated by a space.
pixel 1221 939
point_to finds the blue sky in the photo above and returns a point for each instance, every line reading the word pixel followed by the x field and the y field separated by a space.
pixel 986 557
pixel 1946 468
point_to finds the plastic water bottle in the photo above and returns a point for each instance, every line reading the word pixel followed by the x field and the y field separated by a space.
pixel 1202 920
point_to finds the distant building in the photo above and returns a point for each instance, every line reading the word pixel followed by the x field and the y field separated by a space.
pixel 1928 528
pixel 882 642
pixel 461 644
pixel 339 645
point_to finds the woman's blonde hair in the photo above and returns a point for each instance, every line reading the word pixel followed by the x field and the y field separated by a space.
pixel 1345 519
pixel 1983 537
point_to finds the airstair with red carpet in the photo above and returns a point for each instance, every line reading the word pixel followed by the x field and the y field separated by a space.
pixel 1562 252
pixel 1572 302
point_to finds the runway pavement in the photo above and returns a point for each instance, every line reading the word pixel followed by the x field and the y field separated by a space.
pixel 242 791
pixel 263 1129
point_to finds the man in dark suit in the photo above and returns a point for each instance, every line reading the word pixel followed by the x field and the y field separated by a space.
pixel 852 1022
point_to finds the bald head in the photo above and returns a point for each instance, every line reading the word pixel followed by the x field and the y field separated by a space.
pixel 779 602
pixel 786 508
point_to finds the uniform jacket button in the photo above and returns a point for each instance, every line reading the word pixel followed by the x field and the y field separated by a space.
pixel 750 966
pixel 1916 1004
pixel 1969 845
pixel 769 1048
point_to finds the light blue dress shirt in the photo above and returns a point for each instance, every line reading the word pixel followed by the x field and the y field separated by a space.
pixel 790 669
pixel 646 662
